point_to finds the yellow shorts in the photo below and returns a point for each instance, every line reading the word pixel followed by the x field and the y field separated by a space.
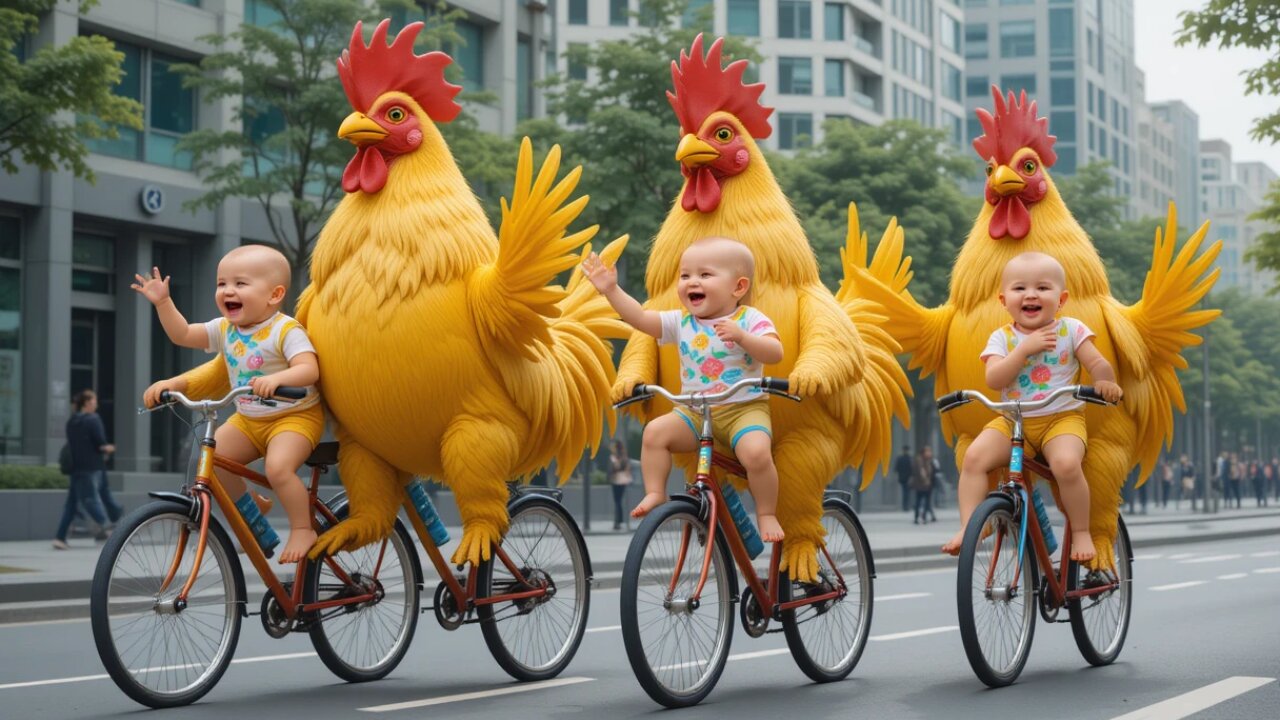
pixel 307 422
pixel 729 422
pixel 1037 431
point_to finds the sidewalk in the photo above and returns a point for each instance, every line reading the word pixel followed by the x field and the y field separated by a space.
pixel 38 582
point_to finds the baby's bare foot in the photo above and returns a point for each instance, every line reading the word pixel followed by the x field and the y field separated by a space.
pixel 300 541
pixel 1082 549
pixel 770 529
pixel 952 546
pixel 647 503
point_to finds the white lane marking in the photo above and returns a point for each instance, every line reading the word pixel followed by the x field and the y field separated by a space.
pixel 86 678
pixel 1178 586
pixel 902 596
pixel 1265 553
pixel 911 573
pixel 1264 571
pixel 732 658
pixel 914 633
pixel 29 623
pixel 606 628
pixel 1197 700
pixel 461 697
pixel 1210 558
pixel 1153 556
pixel 1183 556
pixel 1233 576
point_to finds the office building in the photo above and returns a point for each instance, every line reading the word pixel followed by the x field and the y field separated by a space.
pixel 1230 193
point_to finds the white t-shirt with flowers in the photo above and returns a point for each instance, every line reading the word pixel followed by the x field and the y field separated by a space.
pixel 707 364
pixel 1043 372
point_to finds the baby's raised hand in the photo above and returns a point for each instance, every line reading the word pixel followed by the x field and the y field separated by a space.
pixel 153 287
pixel 603 277
pixel 729 331
pixel 1043 340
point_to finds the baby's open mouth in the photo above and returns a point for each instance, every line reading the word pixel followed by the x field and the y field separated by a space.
pixel 233 306
pixel 696 297
pixel 1031 309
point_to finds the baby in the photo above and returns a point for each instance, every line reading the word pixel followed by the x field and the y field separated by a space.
pixel 263 349
pixel 1026 360
pixel 721 340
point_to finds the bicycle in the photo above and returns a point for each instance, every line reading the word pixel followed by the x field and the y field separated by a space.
pixel 678 587
pixel 1005 566
pixel 166 609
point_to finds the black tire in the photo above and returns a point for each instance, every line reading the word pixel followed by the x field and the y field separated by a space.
pixel 359 643
pixel 827 640
pixel 535 639
pixel 159 657
pixel 646 604
pixel 1100 623
pixel 991 623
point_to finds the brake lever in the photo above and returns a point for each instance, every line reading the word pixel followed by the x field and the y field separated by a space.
pixel 628 401
pixel 779 393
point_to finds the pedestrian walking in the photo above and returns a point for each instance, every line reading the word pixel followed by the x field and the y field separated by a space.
pixel 619 480
pixel 924 472
pixel 1269 478
pixel 1188 487
pixel 88 447
pixel 1166 481
pixel 1259 483
pixel 1235 478
pixel 902 466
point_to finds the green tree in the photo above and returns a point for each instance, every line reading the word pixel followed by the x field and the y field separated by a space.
pixel 622 130
pixel 287 98
pixel 53 100
pixel 1253 24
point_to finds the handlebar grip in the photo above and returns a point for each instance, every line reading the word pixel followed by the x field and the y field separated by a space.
pixel 164 397
pixel 291 393
pixel 772 383
pixel 1089 395
pixel 952 400
pixel 639 391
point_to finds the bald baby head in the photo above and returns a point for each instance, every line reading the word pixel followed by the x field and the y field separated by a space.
pixel 729 253
pixel 264 262
pixel 1033 266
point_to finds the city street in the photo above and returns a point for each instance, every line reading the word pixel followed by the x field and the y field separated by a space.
pixel 1203 613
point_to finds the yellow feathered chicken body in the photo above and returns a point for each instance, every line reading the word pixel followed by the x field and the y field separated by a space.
pixel 1025 213
pixel 837 356
pixel 442 350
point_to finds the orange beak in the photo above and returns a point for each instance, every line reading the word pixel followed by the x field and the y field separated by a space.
pixel 360 130
pixel 1006 182
pixel 694 152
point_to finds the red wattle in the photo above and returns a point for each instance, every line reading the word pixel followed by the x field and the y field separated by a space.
pixel 702 192
pixel 1010 218
pixel 367 171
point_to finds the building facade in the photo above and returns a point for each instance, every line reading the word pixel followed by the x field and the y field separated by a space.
pixel 866 60
pixel 1230 193
pixel 1156 161
pixel 69 249
pixel 1076 59
pixel 1185 125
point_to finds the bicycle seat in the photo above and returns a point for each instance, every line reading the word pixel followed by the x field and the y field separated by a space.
pixel 326 453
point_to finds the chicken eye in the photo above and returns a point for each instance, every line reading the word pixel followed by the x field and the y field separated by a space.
pixel 990 169
pixel 724 134
pixel 396 114
pixel 1029 167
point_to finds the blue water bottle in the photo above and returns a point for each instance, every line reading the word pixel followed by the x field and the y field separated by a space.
pixel 427 511
pixel 746 528
pixel 257 522
pixel 1046 529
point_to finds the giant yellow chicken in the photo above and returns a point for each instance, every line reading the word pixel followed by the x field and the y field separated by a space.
pixel 1024 212
pixel 443 352
pixel 837 355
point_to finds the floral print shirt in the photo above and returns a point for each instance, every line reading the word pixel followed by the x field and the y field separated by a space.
pixel 259 350
pixel 707 364
pixel 1044 372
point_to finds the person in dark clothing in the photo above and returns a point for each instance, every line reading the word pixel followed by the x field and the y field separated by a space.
pixel 902 466
pixel 619 481
pixel 924 472
pixel 1187 486
pixel 87 439
pixel 1259 482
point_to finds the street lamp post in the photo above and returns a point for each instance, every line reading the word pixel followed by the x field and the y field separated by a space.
pixel 1207 425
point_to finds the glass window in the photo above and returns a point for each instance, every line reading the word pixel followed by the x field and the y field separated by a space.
pixel 10 239
pixel 951 81
pixel 694 14
pixel 261 14
pixel 577 12
pixel 1066 164
pixel 524 78
pixel 795 76
pixel 795 130
pixel 1062 32
pixel 975 3
pixel 977 86
pixel 744 17
pixel 949 31
pixel 577 68
pixel 129 144
pixel 169 109
pixel 795 19
pixel 1017 2
pixel 833 77
pixel 972 127
pixel 954 127
pixel 1062 91
pixel 1102 104
pixel 470 55
pixel 1018 83
pixel 1018 39
pixel 619 13
pixel 1063 125
pixel 10 334
pixel 93 263
pixel 833 21
pixel 975 41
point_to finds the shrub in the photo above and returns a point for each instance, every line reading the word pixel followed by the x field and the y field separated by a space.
pixel 31 477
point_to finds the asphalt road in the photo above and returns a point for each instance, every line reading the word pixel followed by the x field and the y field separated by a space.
pixel 1220 621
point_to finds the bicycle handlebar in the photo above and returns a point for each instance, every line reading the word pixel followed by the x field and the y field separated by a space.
pixel 773 386
pixel 954 400
pixel 169 397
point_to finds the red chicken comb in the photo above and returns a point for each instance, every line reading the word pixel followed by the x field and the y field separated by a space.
pixel 703 87
pixel 1014 126
pixel 368 71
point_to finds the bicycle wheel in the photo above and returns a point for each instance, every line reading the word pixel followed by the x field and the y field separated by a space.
pixel 828 638
pixel 158 655
pixel 1100 623
pixel 364 642
pixel 536 638
pixel 996 594
pixel 676 648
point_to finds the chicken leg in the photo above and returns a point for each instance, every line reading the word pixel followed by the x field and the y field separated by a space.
pixel 801 456
pixel 478 454
pixel 375 490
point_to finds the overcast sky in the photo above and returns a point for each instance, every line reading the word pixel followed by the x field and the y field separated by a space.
pixel 1206 79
